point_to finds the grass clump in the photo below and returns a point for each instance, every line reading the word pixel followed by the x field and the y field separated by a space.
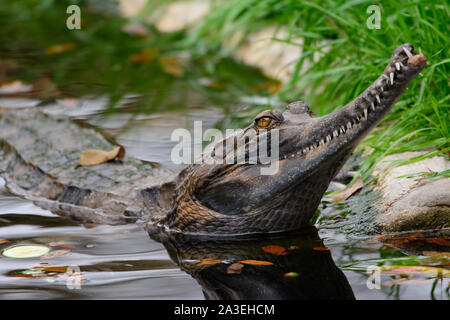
pixel 343 56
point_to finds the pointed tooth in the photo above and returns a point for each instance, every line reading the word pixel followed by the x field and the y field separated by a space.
pixel 372 106
pixel 342 129
pixel 293 155
pixel 335 133
pixel 397 66
pixel 365 114
pixel 349 125
pixel 378 98
pixel 328 138
pixel 408 53
pixel 391 76
pixel 305 150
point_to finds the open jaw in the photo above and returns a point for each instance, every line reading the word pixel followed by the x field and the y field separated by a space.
pixel 222 199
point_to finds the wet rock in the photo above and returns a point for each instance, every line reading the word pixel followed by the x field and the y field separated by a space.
pixel 417 203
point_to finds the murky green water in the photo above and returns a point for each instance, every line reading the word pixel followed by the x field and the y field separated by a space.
pixel 139 104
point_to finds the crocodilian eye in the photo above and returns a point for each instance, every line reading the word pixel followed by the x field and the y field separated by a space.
pixel 263 122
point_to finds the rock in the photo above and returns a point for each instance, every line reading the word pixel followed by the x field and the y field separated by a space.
pixel 130 8
pixel 180 15
pixel 417 203
pixel 276 59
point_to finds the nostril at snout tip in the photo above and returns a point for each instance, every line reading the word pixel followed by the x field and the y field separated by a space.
pixel 417 60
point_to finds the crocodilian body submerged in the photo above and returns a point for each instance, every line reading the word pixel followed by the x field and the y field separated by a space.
pixel 39 158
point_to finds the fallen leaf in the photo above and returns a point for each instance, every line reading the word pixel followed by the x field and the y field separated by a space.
pixel 235 268
pixel 170 65
pixel 320 248
pixel 274 249
pixel 439 241
pixel 93 157
pixel 59 48
pixel 274 88
pixel 4 241
pixel 256 262
pixel 208 261
pixel 50 268
pixel 55 253
pixel 145 56
pixel 347 193
pixel 135 29
pixel 436 254
pixel 57 244
pixel 290 275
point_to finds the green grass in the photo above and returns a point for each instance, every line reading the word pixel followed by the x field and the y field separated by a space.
pixel 352 56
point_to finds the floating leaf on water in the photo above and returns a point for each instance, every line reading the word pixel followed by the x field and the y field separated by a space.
pixel 235 268
pixel 93 157
pixel 26 251
pixel 50 268
pixel 320 248
pixel 57 244
pixel 59 48
pixel 145 56
pixel 257 262
pixel 291 275
pixel 444 241
pixel 208 261
pixel 437 254
pixel 274 249
pixel 347 193
pixel 4 241
pixel 55 253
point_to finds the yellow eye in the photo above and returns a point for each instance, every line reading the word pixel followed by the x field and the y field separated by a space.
pixel 263 122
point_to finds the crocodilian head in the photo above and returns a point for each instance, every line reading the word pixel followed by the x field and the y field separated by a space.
pixel 235 197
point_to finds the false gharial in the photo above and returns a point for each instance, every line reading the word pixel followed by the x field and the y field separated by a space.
pixel 39 156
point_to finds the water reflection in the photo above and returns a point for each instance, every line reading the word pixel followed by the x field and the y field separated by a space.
pixel 294 266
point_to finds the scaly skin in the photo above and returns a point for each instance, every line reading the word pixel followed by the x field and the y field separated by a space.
pixel 210 198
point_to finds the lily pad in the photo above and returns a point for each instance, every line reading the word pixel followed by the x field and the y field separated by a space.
pixel 25 251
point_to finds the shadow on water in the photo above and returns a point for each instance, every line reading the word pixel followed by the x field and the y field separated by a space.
pixel 295 266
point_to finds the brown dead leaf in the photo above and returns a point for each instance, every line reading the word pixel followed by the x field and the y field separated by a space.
pixel 59 48
pixel 436 254
pixel 50 268
pixel 208 261
pixel 92 157
pixel 145 56
pixel 55 253
pixel 171 65
pixel 135 29
pixel 257 262
pixel 235 268
pixel 4 241
pixel 57 244
pixel 274 249
pixel 347 193
pixel 444 241
pixel 320 248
